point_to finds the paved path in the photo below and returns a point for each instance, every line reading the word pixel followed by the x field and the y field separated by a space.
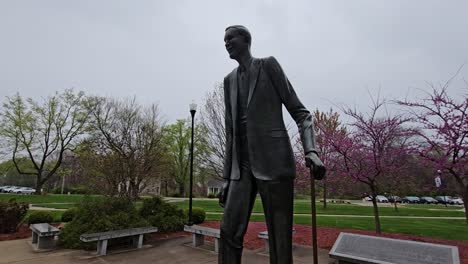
pixel 170 251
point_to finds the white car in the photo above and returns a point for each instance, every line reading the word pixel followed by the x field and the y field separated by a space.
pixel 457 200
pixel 24 190
pixel 381 199
pixel 10 189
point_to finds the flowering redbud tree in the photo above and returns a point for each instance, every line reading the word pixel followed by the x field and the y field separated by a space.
pixel 372 150
pixel 443 123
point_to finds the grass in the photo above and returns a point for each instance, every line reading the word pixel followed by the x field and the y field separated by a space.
pixel 437 228
pixel 435 206
pixel 39 199
pixel 303 207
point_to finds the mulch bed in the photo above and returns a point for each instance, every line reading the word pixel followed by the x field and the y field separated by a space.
pixel 23 232
pixel 326 236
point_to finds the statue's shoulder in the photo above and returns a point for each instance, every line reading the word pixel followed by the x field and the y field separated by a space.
pixel 229 75
pixel 269 61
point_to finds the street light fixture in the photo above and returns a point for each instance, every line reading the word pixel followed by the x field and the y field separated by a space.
pixel 193 110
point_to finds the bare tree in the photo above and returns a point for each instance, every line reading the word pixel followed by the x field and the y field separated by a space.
pixel 212 117
pixel 127 141
pixel 43 131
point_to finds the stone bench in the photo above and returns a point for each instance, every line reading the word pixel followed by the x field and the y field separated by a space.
pixel 264 235
pixel 101 238
pixel 43 235
pixel 199 233
pixel 352 248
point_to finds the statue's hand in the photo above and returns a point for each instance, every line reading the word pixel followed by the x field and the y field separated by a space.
pixel 222 196
pixel 318 169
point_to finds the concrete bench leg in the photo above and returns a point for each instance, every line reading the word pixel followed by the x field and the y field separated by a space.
pixel 138 241
pixel 198 240
pixel 34 237
pixel 45 242
pixel 267 246
pixel 102 247
pixel 216 245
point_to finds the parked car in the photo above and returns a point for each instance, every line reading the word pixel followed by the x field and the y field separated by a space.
pixel 410 199
pixel 456 200
pixel 428 200
pixel 10 189
pixel 394 199
pixel 444 199
pixel 3 187
pixel 367 198
pixel 381 199
pixel 24 190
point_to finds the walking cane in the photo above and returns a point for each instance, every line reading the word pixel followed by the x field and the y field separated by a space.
pixel 314 219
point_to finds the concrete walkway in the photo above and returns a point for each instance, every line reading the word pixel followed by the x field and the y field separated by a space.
pixel 177 250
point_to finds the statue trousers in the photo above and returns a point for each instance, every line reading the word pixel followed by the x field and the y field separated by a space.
pixel 277 200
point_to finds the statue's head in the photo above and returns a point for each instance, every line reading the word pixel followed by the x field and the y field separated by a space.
pixel 237 40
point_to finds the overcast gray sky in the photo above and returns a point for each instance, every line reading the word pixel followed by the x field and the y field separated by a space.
pixel 172 52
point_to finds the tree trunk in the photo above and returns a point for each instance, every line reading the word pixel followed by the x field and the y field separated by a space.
pixel 39 184
pixel 324 194
pixel 376 211
pixel 395 205
pixel 181 190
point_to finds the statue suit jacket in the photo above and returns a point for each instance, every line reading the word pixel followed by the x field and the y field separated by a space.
pixel 270 152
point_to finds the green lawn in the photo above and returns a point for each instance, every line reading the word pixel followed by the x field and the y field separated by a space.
pixel 303 207
pixel 438 228
pixel 435 206
pixel 37 199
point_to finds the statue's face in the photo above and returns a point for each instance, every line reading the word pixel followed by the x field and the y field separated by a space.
pixel 235 43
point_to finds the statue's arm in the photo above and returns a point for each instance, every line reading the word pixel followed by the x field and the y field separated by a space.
pixel 228 128
pixel 299 113
pixel 296 109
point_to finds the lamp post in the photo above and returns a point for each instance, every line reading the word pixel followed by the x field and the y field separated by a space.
pixel 193 109
pixel 438 182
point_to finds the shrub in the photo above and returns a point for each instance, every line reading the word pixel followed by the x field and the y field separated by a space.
pixel 166 217
pixel 198 215
pixel 99 215
pixel 11 215
pixel 71 190
pixel 69 214
pixel 37 217
pixel 211 195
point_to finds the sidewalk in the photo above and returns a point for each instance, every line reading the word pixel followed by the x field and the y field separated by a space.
pixel 177 250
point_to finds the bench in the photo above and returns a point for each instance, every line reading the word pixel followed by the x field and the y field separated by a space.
pixel 199 233
pixel 264 235
pixel 101 238
pixel 43 235
pixel 353 248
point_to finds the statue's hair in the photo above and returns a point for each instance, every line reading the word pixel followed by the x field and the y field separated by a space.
pixel 243 31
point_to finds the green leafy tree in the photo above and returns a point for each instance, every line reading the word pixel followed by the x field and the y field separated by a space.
pixel 177 140
pixel 43 131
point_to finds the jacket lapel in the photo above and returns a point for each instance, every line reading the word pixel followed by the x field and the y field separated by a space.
pixel 233 90
pixel 255 71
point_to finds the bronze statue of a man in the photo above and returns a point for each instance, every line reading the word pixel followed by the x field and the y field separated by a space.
pixel 259 156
